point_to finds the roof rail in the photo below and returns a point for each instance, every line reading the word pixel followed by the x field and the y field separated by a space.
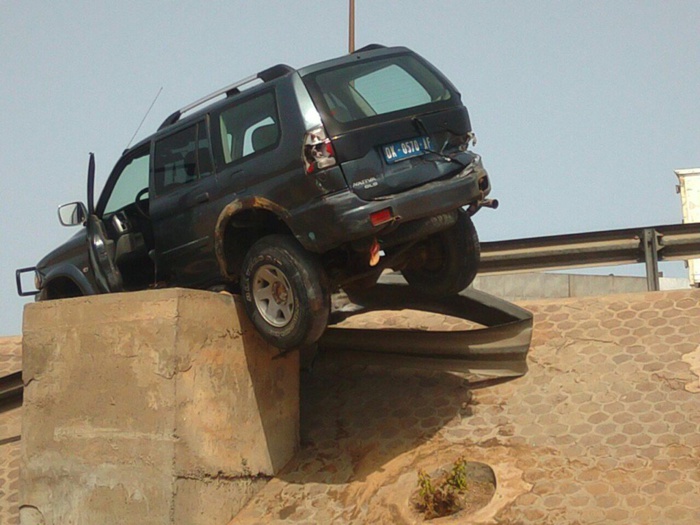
pixel 369 47
pixel 266 75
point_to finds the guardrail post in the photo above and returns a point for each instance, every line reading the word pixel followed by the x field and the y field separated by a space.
pixel 650 244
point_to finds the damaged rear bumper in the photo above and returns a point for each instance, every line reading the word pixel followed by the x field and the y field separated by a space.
pixel 342 217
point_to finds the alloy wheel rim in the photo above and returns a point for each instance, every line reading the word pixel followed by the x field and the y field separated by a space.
pixel 273 295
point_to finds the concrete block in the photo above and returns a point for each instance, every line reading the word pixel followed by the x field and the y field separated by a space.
pixel 599 285
pixel 148 408
pixel 524 285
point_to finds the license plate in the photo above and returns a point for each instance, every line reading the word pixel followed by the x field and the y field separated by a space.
pixel 406 149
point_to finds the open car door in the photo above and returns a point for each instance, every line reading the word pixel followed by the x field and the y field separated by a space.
pixel 100 247
pixel 101 250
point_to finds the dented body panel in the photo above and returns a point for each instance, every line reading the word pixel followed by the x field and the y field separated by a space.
pixel 343 216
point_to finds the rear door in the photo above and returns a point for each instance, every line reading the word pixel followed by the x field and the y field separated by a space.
pixel 384 111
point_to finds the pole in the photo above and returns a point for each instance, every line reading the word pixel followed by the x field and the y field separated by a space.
pixel 650 241
pixel 351 29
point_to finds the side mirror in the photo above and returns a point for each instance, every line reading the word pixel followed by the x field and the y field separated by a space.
pixel 72 214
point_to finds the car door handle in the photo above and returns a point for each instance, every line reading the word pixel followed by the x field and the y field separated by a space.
pixel 202 198
pixel 233 177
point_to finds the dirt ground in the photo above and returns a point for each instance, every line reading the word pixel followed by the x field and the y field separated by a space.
pixel 604 428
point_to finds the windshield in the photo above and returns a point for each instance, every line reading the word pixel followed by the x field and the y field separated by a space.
pixel 363 90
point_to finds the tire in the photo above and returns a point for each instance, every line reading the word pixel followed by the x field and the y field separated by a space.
pixel 450 260
pixel 285 292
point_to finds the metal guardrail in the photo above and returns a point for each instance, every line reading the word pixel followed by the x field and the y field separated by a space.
pixel 602 248
pixel 11 389
pixel 11 395
pixel 498 350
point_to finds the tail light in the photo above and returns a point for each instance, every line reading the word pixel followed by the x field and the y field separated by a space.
pixel 380 217
pixel 469 138
pixel 318 151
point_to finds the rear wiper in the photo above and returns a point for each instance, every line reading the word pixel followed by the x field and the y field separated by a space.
pixel 420 126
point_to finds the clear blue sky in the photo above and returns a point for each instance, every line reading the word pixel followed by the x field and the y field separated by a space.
pixel 582 109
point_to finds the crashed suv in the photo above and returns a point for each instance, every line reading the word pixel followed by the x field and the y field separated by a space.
pixel 285 187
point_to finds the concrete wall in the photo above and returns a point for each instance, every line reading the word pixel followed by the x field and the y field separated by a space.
pixel 151 407
pixel 541 285
pixel 537 285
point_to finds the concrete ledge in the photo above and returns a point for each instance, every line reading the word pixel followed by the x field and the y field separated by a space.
pixel 150 407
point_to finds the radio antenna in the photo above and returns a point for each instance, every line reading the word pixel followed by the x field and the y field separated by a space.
pixel 144 117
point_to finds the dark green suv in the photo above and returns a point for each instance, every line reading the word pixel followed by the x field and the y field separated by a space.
pixel 285 187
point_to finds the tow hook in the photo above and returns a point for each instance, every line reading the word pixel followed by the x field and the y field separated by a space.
pixel 374 254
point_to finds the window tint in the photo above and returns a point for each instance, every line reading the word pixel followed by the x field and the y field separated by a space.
pixel 181 158
pixel 132 179
pixel 376 87
pixel 249 127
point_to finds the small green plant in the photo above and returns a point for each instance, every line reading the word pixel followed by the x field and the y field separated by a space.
pixel 442 497
pixel 458 477
pixel 425 484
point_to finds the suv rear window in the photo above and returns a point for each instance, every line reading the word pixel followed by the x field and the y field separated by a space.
pixel 376 87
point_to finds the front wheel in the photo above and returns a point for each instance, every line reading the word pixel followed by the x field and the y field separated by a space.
pixel 285 292
pixel 447 262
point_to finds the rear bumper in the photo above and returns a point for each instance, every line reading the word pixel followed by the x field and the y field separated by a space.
pixel 342 217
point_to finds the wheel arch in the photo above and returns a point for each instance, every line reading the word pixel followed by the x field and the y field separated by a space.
pixel 240 224
pixel 64 282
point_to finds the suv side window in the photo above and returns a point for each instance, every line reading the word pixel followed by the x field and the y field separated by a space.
pixel 132 179
pixel 249 127
pixel 181 158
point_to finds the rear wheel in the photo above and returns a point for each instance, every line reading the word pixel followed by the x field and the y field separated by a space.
pixel 285 292
pixel 447 262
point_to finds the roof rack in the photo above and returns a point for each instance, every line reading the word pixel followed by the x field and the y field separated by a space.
pixel 369 47
pixel 266 75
